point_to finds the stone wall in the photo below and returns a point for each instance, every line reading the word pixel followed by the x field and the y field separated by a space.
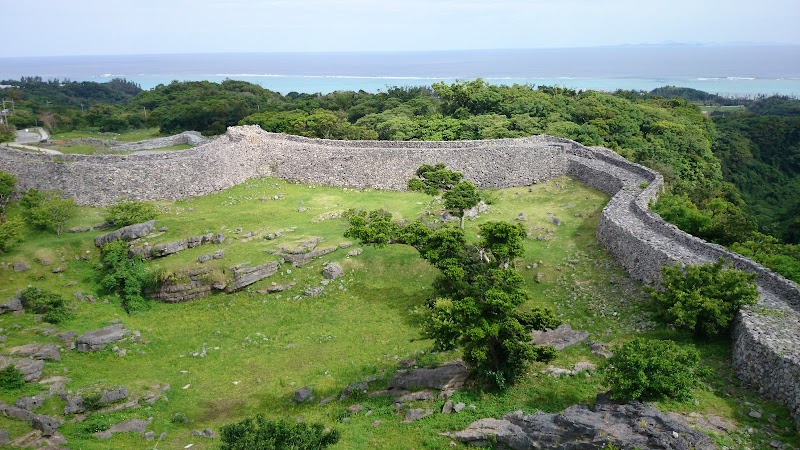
pixel 766 345
pixel 192 138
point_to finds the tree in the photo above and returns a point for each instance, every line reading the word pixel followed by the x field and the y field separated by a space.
pixel 8 184
pixel 460 198
pixel 7 132
pixel 652 369
pixel 10 233
pixel 260 433
pixel 703 298
pixel 477 296
pixel 49 210
pixel 434 179
pixel 125 276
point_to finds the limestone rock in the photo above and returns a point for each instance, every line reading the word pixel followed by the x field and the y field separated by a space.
pixel 46 424
pixel 356 387
pixel 21 266
pixel 355 252
pixel 4 437
pixel 15 412
pixel 13 305
pixel 601 350
pixel 126 426
pixel 560 338
pixel 626 425
pixel 426 395
pixel 412 415
pixel 332 271
pixel 36 350
pixel 29 403
pixel 128 233
pixel 303 395
pixel 68 338
pixel 451 375
pixel 114 396
pixel 95 340
pixel 31 369
pixel 74 405
pixel 245 276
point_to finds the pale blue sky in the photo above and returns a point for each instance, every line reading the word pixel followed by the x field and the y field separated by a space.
pixel 92 27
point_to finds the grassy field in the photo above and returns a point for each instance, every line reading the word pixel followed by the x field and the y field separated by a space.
pixel 127 136
pixel 261 348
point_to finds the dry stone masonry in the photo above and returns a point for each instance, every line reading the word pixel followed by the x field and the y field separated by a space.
pixel 766 347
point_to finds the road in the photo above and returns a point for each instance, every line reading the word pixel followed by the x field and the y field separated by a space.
pixel 32 136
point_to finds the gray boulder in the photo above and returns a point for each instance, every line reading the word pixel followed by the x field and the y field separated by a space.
pixel 626 425
pixel 21 266
pixel 74 405
pixel 128 233
pixel 29 403
pixel 332 271
pixel 451 375
pixel 13 305
pixel 303 395
pixel 560 338
pixel 15 412
pixel 95 340
pixel 31 369
pixel 46 424
pixel 114 396
pixel 126 426
pixel 36 350
pixel 4 437
pixel 245 276
pixel 412 415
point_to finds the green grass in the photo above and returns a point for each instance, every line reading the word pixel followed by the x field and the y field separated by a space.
pixel 261 348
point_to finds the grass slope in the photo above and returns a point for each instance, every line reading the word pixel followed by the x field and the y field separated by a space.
pixel 261 348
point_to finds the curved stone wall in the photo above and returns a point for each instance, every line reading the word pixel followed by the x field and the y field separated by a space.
pixel 192 138
pixel 766 344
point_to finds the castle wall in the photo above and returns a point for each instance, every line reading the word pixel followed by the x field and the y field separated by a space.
pixel 766 341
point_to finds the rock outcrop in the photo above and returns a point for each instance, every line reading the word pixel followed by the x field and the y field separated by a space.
pixel 450 375
pixel 626 425
pixel 95 340
pixel 129 233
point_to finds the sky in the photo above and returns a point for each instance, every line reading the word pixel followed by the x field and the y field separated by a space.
pixel 114 27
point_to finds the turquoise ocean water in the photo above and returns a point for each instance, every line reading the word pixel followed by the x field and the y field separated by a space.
pixel 725 70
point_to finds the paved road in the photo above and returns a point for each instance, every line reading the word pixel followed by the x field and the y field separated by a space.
pixel 31 135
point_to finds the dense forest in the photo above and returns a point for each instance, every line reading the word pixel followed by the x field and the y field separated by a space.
pixel 732 177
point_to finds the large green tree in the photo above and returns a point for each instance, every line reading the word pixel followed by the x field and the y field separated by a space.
pixel 703 298
pixel 478 296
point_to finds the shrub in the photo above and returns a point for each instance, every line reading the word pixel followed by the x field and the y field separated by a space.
pixel 48 210
pixel 54 308
pixel 651 369
pixel 124 276
pixel 703 298
pixel 260 433
pixel 10 233
pixel 11 378
pixel 126 212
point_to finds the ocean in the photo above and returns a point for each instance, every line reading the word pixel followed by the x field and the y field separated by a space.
pixel 726 70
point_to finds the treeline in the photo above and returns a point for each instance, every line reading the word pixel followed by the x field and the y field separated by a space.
pixel 731 180
pixel 66 105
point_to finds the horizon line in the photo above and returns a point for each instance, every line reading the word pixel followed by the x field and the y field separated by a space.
pixel 318 52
